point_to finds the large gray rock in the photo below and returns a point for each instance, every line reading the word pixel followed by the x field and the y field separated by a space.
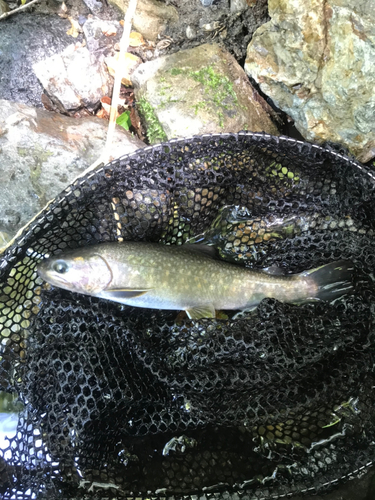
pixel 198 91
pixel 41 153
pixel 315 59
pixel 25 39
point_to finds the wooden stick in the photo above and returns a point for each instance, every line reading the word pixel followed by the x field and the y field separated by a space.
pixel 22 7
pixel 124 44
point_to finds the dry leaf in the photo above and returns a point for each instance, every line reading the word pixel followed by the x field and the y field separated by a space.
pixel 136 39
pixel 75 28
pixel 129 64
pixel 63 11
pixel 106 103
pixel 102 114
pixel 108 29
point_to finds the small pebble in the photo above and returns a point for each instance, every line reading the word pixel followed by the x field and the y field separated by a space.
pixel 190 32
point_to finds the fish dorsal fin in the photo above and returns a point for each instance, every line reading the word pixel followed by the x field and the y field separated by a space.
pixel 199 312
pixel 200 248
pixel 123 293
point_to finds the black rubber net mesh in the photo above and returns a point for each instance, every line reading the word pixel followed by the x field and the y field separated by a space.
pixel 130 402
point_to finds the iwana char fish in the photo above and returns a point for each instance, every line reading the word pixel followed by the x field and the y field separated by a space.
pixel 186 277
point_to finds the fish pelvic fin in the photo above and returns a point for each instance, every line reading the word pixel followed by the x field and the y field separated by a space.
pixel 199 312
pixel 332 280
pixel 123 293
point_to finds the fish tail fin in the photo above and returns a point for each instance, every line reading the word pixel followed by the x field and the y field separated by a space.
pixel 332 280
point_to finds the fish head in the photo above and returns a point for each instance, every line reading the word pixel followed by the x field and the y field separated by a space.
pixel 84 273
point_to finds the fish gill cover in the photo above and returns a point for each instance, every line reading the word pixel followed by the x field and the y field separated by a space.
pixel 122 402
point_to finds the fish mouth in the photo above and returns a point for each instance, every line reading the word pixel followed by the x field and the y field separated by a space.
pixel 57 280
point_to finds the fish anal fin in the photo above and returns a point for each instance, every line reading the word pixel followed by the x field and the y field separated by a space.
pixel 199 312
pixel 123 293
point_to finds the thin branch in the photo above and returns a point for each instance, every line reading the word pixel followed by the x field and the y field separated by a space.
pixel 22 7
pixel 124 44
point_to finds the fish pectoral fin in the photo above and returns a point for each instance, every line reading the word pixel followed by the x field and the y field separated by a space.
pixel 124 293
pixel 199 312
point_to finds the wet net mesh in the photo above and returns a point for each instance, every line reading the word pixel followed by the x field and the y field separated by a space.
pixel 126 402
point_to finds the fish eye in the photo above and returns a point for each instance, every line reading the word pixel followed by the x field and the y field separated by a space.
pixel 60 266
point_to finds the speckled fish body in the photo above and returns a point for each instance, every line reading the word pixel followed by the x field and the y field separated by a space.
pixel 179 278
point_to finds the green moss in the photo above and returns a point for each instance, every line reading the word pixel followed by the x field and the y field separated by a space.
pixel 176 71
pixel 155 132
pixel 199 105
pixel 217 89
pixel 23 151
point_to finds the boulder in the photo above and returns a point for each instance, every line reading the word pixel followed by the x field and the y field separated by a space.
pixel 26 39
pixel 41 153
pixel 315 60
pixel 73 79
pixel 198 91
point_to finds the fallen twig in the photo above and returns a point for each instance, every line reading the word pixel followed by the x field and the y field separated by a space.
pixel 124 44
pixel 22 7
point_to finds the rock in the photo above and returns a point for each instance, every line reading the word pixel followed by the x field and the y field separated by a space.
pixel 190 33
pixel 41 153
pixel 238 6
pixel 73 79
pixel 95 6
pixel 151 16
pixel 4 7
pixel 96 41
pixel 314 59
pixel 24 40
pixel 198 91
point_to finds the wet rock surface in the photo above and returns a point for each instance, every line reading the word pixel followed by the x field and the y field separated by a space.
pixel 313 60
pixel 25 40
pixel 230 23
pixel 41 153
